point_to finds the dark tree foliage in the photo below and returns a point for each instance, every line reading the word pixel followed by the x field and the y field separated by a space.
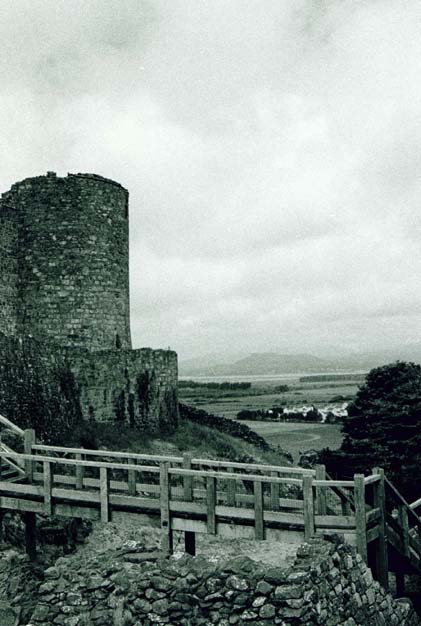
pixel 383 428
pixel 192 384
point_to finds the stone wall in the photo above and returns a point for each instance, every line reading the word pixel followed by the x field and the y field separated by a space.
pixel 42 385
pixel 138 387
pixel 71 239
pixel 37 389
pixel 328 585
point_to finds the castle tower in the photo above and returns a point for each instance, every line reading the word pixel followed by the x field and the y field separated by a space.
pixel 8 267
pixel 67 254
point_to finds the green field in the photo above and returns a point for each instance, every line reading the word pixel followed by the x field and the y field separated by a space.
pixel 299 437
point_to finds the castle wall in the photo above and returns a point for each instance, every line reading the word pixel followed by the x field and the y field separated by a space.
pixel 73 260
pixel 137 387
pixel 8 267
pixel 53 388
pixel 37 390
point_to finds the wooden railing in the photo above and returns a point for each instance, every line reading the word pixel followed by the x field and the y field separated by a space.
pixel 11 426
pixel 232 499
pixel 218 494
pixel 14 469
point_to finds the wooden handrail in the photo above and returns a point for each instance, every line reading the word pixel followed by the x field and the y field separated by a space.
pixel 19 468
pixel 333 483
pixel 399 496
pixel 281 469
pixel 416 504
pixel 11 426
pixel 176 459
pixel 373 478
pixel 232 476
pixel 76 463
pixel 342 494
pixel 108 453
pixel 6 448
pixel 152 469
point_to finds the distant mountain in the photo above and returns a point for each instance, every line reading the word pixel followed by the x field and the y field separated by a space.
pixel 208 360
pixel 273 363
pixel 260 364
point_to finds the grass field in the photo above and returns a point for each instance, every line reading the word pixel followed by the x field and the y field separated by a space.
pixel 299 437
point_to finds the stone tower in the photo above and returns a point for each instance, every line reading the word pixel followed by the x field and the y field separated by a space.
pixel 64 298
pixel 65 253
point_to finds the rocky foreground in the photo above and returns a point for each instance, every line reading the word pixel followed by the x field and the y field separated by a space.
pixel 120 578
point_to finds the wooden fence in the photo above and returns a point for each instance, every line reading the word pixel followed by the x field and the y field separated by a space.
pixel 195 495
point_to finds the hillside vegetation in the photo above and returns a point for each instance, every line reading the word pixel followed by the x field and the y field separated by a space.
pixel 383 428
pixel 197 432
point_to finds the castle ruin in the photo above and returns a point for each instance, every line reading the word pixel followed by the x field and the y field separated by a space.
pixel 64 270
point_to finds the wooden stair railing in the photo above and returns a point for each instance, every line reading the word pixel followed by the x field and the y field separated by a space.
pixel 15 470
pixel 405 514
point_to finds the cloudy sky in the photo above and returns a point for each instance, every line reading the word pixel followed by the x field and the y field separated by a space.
pixel 272 150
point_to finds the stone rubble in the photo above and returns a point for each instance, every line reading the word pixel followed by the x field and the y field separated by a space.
pixel 328 584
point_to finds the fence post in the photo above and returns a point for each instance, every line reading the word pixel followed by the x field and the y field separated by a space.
pixel 274 493
pixel 28 442
pixel 80 472
pixel 104 489
pixel 403 519
pixel 259 528
pixel 360 515
pixel 131 479
pixel 48 506
pixel 382 564
pixel 30 535
pixel 321 491
pixel 231 490
pixel 308 504
pixel 164 500
pixel 189 536
pixel 210 504
pixel 187 480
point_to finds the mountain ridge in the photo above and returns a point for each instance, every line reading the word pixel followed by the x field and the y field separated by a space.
pixel 266 363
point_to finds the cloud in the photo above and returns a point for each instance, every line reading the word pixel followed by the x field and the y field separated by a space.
pixel 271 150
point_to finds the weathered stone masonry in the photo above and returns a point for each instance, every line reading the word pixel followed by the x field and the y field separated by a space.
pixel 64 281
pixel 135 386
pixel 327 585
pixel 66 239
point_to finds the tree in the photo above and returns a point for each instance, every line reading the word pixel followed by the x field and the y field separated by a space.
pixel 383 428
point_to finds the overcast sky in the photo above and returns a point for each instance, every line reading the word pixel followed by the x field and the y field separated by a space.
pixel 272 150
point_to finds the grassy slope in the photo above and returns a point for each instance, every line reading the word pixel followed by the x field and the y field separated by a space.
pixel 200 440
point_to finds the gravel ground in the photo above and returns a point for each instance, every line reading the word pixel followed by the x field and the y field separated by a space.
pixel 113 536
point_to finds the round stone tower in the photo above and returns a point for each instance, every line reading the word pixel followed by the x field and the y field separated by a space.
pixel 73 260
